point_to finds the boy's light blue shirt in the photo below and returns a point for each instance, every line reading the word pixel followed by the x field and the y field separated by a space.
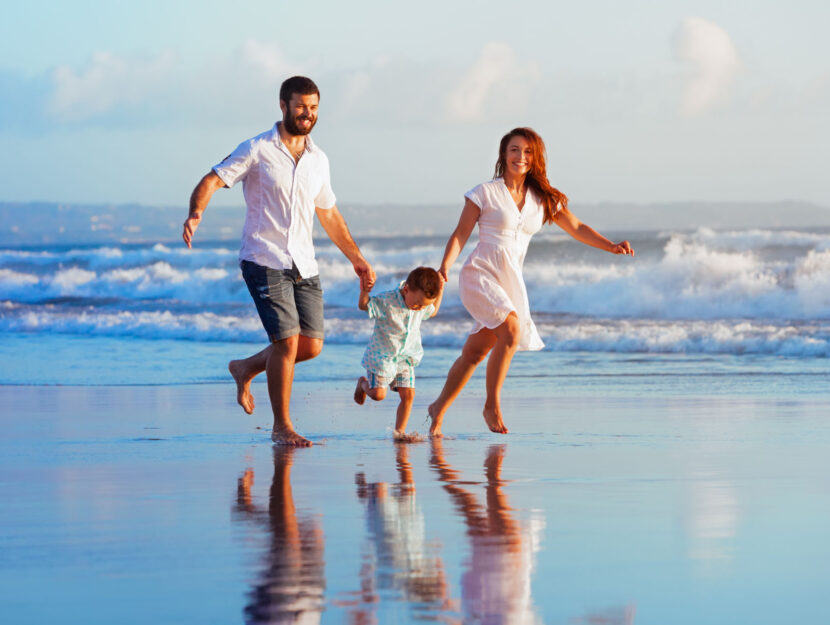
pixel 397 333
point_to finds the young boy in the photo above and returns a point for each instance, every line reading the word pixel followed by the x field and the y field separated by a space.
pixel 395 347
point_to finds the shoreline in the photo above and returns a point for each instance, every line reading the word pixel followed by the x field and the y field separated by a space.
pixel 113 494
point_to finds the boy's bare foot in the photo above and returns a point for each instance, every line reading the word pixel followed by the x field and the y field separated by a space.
pixel 492 416
pixel 289 438
pixel 243 387
pixel 359 393
pixel 435 427
pixel 407 437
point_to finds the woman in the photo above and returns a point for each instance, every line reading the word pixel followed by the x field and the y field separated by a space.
pixel 509 210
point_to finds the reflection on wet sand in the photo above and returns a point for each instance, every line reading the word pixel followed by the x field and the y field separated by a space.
pixel 292 581
pixel 399 563
pixel 398 557
pixel 496 585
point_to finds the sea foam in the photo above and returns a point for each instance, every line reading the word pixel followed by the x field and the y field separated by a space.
pixel 739 292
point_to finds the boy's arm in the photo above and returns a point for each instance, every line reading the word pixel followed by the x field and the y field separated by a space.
pixel 437 302
pixel 363 300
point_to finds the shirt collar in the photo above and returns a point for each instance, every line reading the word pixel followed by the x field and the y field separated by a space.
pixel 399 295
pixel 275 136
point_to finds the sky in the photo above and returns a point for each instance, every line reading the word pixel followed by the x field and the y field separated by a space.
pixel 643 102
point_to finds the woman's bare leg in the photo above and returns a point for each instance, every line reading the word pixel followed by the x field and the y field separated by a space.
pixel 507 341
pixel 475 350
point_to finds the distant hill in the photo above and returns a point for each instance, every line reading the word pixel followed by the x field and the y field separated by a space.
pixel 33 223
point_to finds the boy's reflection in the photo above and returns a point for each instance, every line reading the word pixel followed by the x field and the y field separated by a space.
pixel 399 557
pixel 495 587
pixel 292 585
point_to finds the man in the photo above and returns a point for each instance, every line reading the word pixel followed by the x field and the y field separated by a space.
pixel 285 180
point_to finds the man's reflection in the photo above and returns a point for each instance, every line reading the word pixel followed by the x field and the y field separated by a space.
pixel 496 584
pixel 399 558
pixel 292 581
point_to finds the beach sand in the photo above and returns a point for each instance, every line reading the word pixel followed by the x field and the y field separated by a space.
pixel 167 504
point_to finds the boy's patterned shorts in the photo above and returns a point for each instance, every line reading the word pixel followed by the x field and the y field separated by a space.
pixel 404 378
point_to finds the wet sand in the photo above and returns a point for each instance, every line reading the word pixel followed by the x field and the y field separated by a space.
pixel 169 505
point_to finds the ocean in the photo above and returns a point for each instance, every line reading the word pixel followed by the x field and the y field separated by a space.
pixel 736 309
pixel 666 462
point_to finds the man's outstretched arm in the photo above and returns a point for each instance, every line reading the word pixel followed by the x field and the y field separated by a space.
pixel 335 226
pixel 198 203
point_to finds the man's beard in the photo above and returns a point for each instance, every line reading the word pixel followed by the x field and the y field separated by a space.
pixel 293 129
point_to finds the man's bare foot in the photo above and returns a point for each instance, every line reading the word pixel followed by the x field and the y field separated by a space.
pixel 359 393
pixel 492 416
pixel 435 428
pixel 289 438
pixel 243 387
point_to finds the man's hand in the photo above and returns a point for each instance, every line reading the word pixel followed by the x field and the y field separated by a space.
pixel 190 225
pixel 365 273
pixel 198 203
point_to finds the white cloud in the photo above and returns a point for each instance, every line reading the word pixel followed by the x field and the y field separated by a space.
pixel 713 62
pixel 119 90
pixel 498 81
pixel 106 82
pixel 266 60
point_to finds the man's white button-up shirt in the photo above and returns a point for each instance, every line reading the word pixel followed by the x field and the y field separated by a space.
pixel 281 196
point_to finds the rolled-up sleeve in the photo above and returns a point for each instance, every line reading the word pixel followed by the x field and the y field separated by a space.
pixel 375 308
pixel 236 165
pixel 325 199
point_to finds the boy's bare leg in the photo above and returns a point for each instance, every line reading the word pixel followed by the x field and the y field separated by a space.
pixel 475 350
pixel 245 370
pixel 359 393
pixel 507 341
pixel 377 394
pixel 404 408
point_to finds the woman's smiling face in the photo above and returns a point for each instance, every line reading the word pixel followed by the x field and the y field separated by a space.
pixel 518 156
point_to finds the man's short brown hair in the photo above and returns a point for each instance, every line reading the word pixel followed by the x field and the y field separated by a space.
pixel 425 279
pixel 297 84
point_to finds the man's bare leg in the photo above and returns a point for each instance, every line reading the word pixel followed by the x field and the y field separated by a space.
pixel 475 350
pixel 245 370
pixel 280 373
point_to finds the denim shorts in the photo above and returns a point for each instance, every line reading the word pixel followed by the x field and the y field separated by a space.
pixel 287 304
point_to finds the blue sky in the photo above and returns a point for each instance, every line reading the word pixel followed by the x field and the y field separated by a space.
pixel 113 102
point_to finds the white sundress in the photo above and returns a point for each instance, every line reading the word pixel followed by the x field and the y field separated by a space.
pixel 491 284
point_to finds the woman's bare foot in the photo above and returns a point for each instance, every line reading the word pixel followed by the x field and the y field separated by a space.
pixel 436 419
pixel 492 416
pixel 288 437
pixel 493 462
pixel 359 393
pixel 243 387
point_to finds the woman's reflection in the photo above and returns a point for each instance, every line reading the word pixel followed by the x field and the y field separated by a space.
pixel 292 581
pixel 495 586
pixel 398 557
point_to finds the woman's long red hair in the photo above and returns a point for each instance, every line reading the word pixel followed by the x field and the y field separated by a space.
pixel 553 200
